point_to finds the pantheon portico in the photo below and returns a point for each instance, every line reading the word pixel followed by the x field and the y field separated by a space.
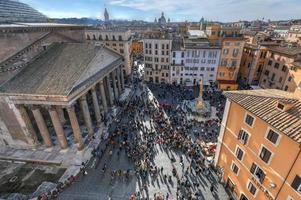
pixel 69 85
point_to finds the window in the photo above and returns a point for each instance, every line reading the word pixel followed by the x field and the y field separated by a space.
pixel 249 120
pixel 182 55
pixel 120 38
pixel 272 136
pixel 234 168
pixel 296 184
pixel 174 54
pixel 156 46
pixel 276 65
pixel 167 46
pixel 243 136
pixel 265 155
pixel 162 46
pixel 239 153
pixel 284 68
pixel 257 172
pixel 270 62
pixel 252 189
pixel 121 51
pixel 235 52
pixel 289 79
pixel 266 72
pixel 226 51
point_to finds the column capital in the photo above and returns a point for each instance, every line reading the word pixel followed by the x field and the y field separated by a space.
pixel 83 98
pixel 70 107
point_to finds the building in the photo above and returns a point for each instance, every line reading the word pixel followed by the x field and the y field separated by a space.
pixel 157 49
pixel 177 61
pixel 213 33
pixel 259 145
pixel 252 63
pixel 58 98
pixel 294 34
pixel 137 47
pixel 280 61
pixel 227 74
pixel 119 41
pixel 200 63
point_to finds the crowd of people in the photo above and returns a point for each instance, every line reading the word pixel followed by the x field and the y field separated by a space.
pixel 169 130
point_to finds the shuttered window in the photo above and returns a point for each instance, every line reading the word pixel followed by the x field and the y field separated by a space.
pixel 249 120
pixel 257 172
pixel 296 184
pixel 239 153
pixel 265 155
pixel 252 189
pixel 243 136
pixel 272 136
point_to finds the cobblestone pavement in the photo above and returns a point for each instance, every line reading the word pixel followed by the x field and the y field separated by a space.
pixel 98 184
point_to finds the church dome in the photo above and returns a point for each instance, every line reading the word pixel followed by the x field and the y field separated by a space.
pixel 15 11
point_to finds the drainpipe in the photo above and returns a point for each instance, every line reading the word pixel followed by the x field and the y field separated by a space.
pixel 288 173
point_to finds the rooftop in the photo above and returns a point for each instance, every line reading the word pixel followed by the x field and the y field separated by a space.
pixel 263 104
pixel 61 69
pixel 15 11
pixel 290 51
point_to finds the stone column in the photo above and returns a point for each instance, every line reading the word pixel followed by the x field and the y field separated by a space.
pixel 75 127
pixel 96 106
pixel 122 77
pixel 58 128
pixel 109 90
pixel 114 84
pixel 103 96
pixel 42 126
pixel 118 81
pixel 30 133
pixel 87 117
pixel 60 112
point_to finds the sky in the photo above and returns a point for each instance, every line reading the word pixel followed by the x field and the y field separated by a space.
pixel 176 10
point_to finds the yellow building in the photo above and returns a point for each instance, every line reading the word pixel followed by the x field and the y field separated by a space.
pixel 259 146
pixel 278 67
pixel 137 47
pixel 213 33
pixel 232 48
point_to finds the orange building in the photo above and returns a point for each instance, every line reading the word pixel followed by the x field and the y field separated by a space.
pixel 252 63
pixel 259 146
pixel 227 73
pixel 137 47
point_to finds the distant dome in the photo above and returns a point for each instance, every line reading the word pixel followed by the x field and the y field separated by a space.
pixel 15 11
